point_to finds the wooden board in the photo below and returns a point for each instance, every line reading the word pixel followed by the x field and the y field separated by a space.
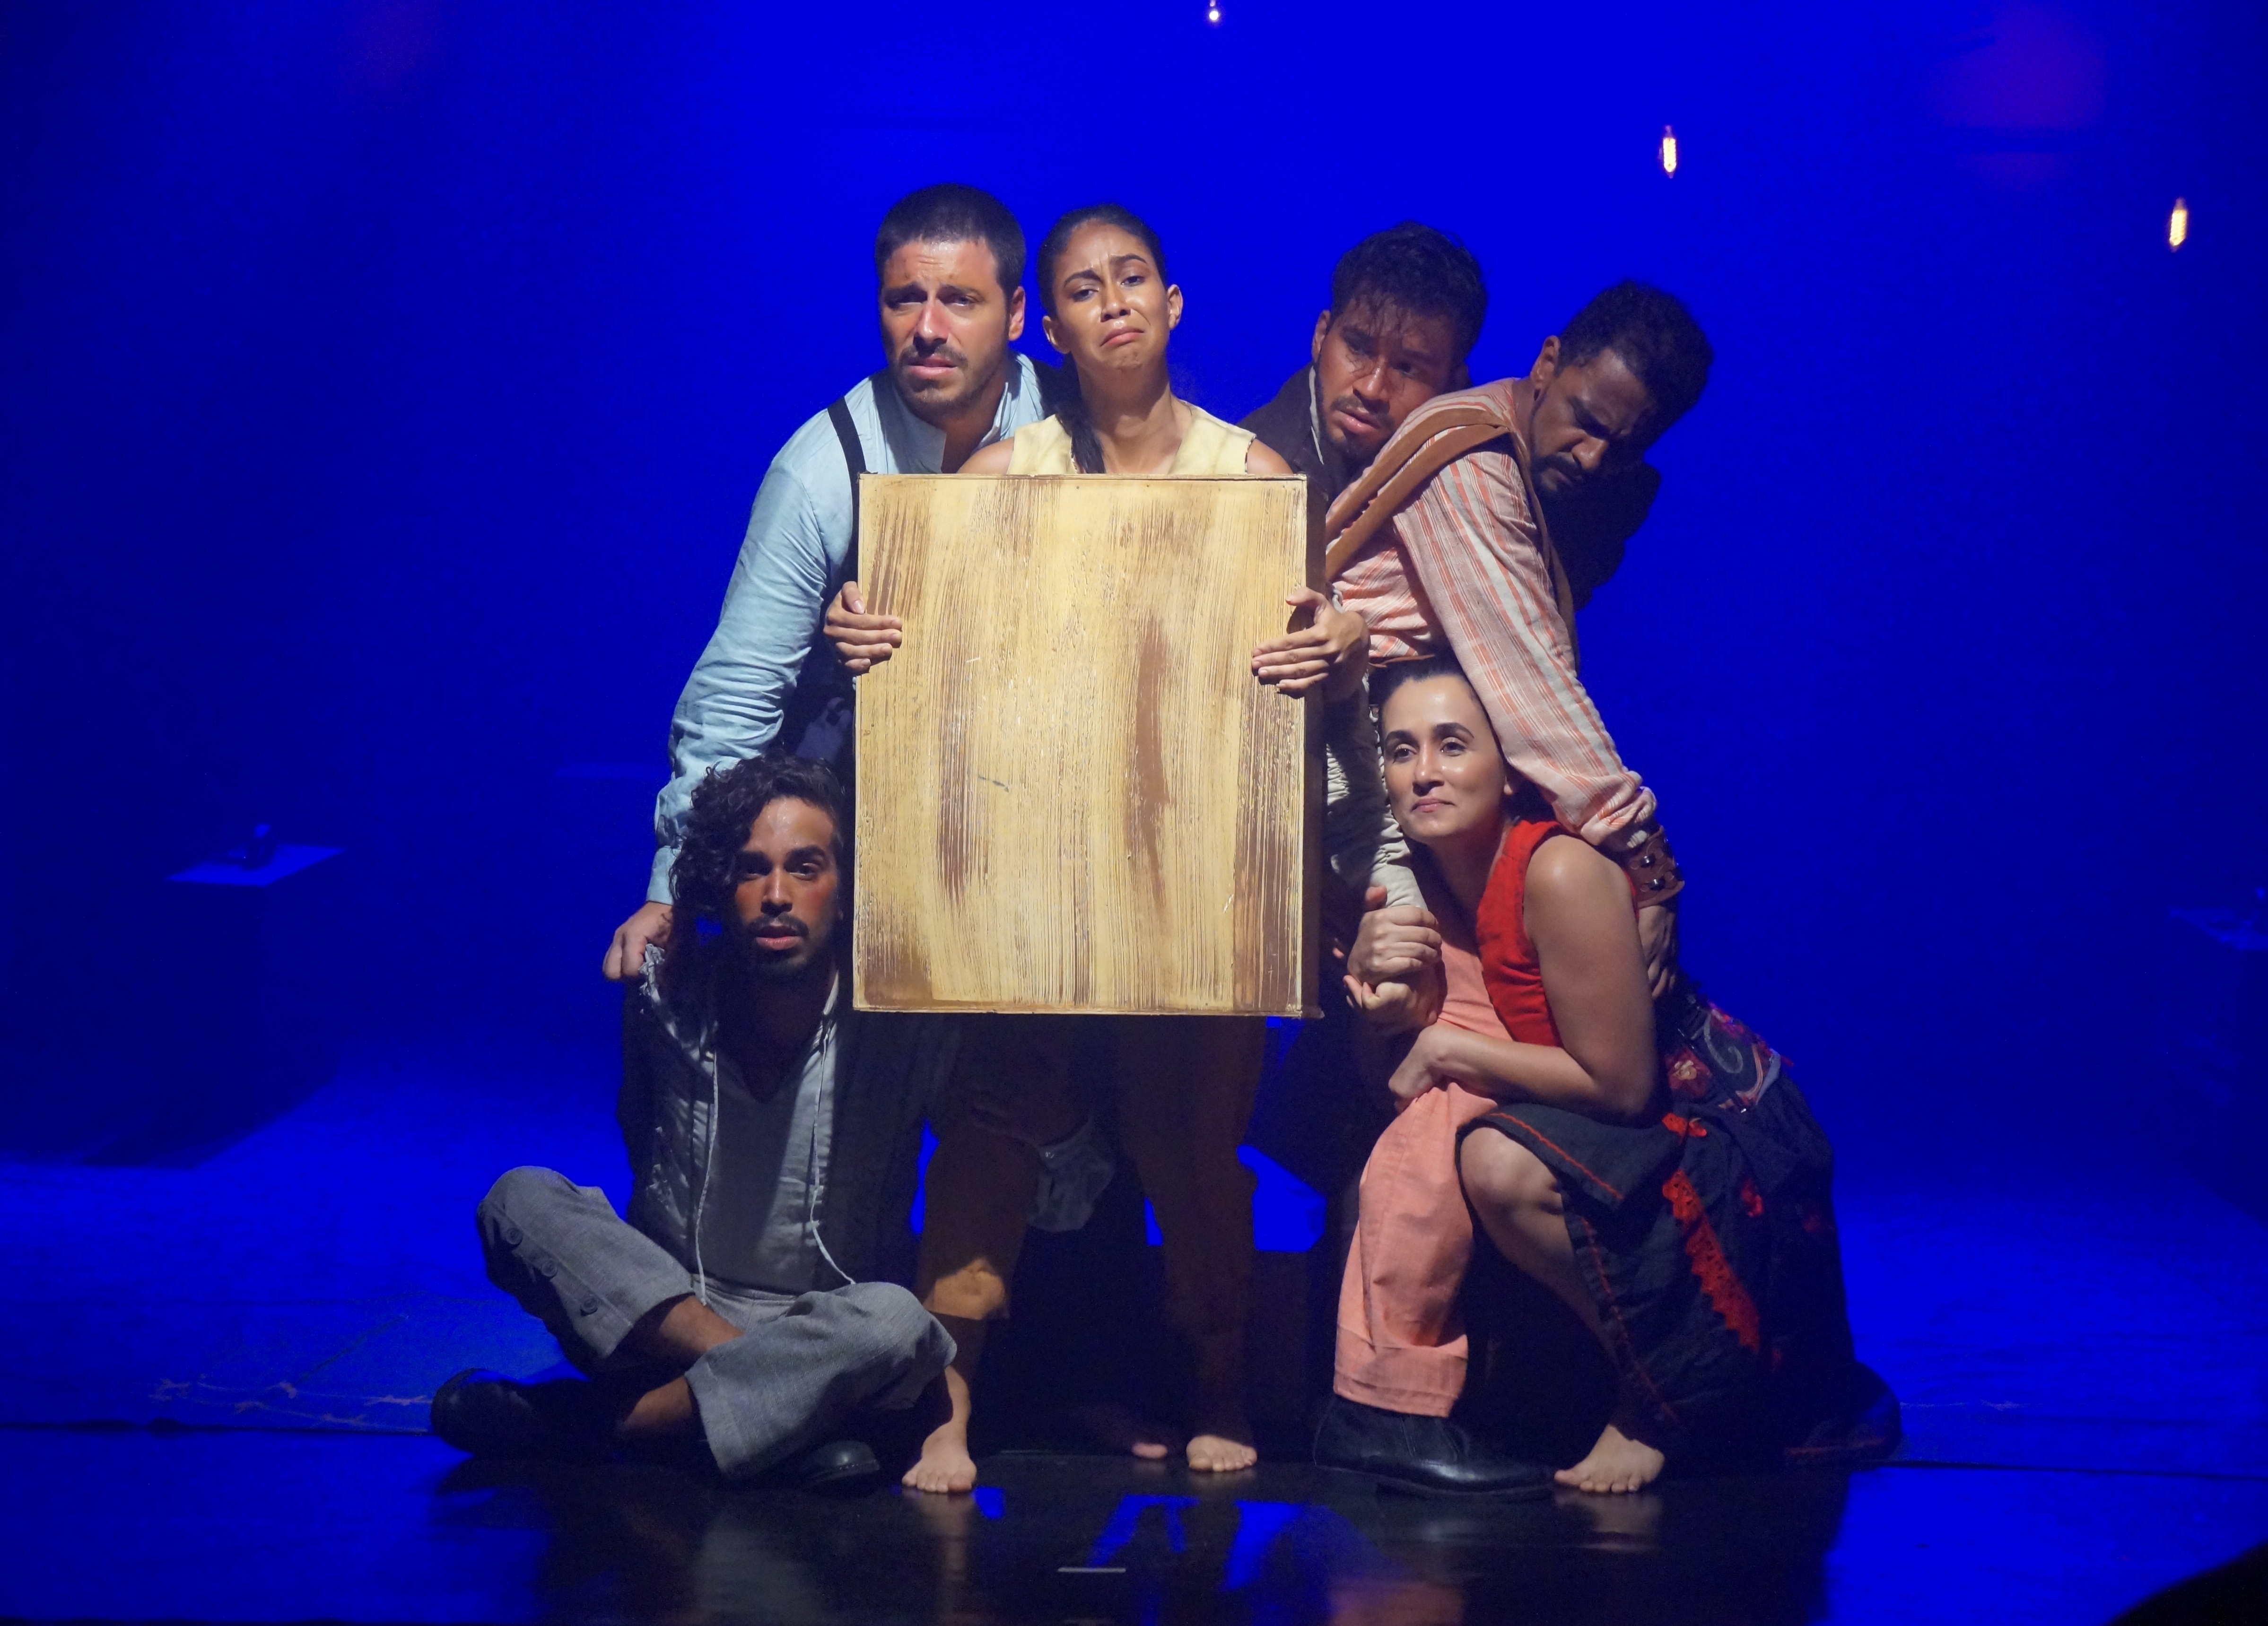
pixel 1073 795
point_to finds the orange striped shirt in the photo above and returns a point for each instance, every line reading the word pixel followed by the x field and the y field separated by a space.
pixel 1461 570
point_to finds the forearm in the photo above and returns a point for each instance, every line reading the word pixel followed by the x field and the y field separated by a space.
pixel 1473 549
pixel 1506 1070
pixel 730 711
pixel 731 706
pixel 1550 732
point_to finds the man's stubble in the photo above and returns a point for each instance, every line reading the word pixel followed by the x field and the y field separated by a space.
pixel 936 409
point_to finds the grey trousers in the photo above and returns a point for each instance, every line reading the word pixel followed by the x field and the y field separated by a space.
pixel 802 1364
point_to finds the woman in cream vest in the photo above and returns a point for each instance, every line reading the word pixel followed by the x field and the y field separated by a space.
pixel 1184 1084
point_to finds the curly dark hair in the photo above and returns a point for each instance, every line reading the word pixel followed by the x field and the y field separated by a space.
pixel 1417 270
pixel 726 804
pixel 1657 339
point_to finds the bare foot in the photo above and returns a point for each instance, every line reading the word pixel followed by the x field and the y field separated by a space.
pixel 1117 1427
pixel 946 1465
pixel 1220 1453
pixel 1618 1465
pixel 1222 1442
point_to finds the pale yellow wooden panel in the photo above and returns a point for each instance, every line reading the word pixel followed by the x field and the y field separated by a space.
pixel 1072 796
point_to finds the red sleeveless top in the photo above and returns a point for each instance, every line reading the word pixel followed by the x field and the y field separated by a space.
pixel 1509 965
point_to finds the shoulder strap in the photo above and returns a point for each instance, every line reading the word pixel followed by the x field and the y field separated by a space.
pixel 854 458
pixel 1427 444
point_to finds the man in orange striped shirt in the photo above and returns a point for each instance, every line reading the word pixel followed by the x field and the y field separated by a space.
pixel 1447 545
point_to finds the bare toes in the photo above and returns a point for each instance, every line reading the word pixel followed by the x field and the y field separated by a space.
pixel 1209 1453
pixel 940 1480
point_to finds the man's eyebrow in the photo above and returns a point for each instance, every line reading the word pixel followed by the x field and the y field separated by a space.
pixel 802 854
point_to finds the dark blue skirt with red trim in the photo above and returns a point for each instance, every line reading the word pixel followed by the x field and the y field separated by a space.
pixel 1707 1239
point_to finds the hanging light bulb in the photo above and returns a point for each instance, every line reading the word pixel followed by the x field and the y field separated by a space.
pixel 2178 224
pixel 1212 12
pixel 1669 150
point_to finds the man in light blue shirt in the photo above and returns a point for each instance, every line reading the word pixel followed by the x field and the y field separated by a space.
pixel 950 262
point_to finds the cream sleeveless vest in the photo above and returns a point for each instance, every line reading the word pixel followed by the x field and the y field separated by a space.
pixel 1211 447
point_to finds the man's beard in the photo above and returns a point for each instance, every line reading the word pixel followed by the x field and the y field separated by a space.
pixel 932 405
pixel 1571 475
pixel 1355 409
pixel 773 965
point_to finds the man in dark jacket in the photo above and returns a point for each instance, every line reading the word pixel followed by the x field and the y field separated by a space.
pixel 774 1133
pixel 1406 307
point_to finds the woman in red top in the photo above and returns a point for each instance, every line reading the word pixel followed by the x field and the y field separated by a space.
pixel 1650 1163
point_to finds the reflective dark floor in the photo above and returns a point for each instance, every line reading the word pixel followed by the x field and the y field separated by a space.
pixel 244 1524
pixel 212 1398
pixel 1057 1538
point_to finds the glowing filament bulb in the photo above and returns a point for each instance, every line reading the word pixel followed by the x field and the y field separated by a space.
pixel 1669 150
pixel 2178 224
pixel 1212 12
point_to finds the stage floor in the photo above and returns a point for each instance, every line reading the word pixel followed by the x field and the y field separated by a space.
pixel 291 1526
pixel 212 1394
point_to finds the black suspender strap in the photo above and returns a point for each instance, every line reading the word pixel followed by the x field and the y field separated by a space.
pixel 854 457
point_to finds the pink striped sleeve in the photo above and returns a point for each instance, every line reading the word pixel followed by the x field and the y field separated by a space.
pixel 1472 543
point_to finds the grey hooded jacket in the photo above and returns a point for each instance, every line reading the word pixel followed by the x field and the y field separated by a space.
pixel 887 1068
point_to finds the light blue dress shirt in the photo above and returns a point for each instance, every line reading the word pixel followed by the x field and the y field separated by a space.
pixel 792 564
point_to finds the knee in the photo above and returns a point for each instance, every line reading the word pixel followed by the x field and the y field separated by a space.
pixel 889 1318
pixel 1501 1173
pixel 515 1191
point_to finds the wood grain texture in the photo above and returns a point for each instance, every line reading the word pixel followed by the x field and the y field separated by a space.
pixel 1073 795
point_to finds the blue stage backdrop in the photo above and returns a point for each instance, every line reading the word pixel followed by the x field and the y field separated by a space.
pixel 387 380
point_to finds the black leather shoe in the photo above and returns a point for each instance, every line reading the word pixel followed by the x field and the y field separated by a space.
pixel 1424 1456
pixel 836 1466
pixel 486 1413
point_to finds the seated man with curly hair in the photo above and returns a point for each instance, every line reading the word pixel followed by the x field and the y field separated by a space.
pixel 748 1312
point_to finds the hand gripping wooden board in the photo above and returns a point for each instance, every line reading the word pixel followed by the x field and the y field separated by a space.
pixel 1072 794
